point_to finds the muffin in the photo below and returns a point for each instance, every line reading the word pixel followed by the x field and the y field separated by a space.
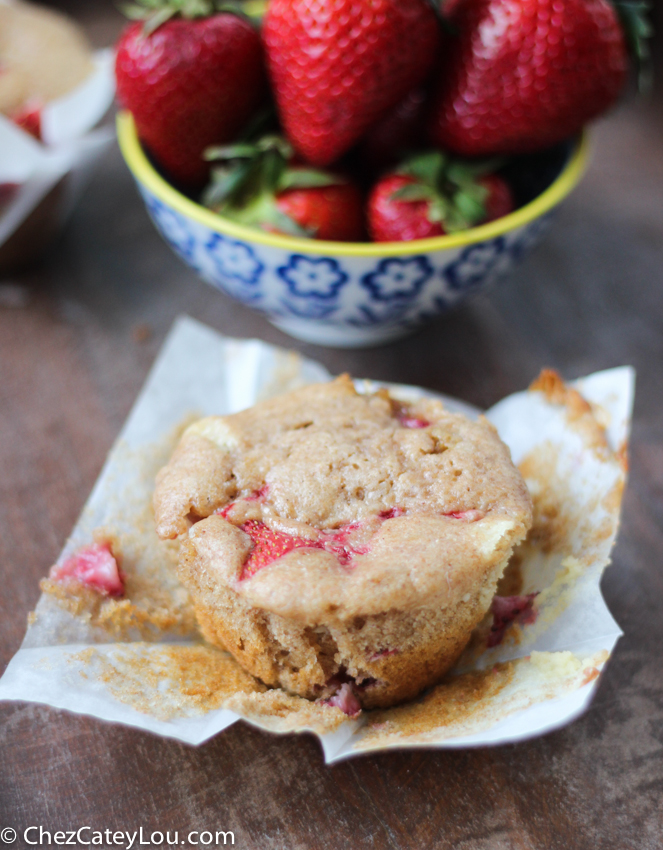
pixel 43 56
pixel 341 545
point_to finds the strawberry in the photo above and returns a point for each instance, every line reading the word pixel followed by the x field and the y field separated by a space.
pixel 94 566
pixel 337 66
pixel 345 543
pixel 467 516
pixel 506 610
pixel 332 212
pixel 413 422
pixel 522 75
pixel 345 699
pixel 257 184
pixel 191 78
pixel 28 118
pixel 268 546
pixel 391 219
pixel 432 195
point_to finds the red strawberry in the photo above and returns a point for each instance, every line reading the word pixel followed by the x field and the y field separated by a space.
pixel 394 220
pixel 337 66
pixel 329 212
pixel 257 185
pixel 505 610
pixel 28 117
pixel 413 422
pixel 499 200
pixel 268 546
pixel 190 82
pixel 525 74
pixel 345 699
pixel 94 566
pixel 433 195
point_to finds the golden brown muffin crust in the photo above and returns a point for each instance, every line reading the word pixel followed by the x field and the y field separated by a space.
pixel 427 504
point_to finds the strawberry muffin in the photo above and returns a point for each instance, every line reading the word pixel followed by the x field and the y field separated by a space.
pixel 342 545
pixel 43 56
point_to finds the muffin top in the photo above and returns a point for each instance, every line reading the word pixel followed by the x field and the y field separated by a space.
pixel 43 56
pixel 329 501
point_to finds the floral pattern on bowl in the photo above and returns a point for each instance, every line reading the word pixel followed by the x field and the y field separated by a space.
pixel 350 297
pixel 396 278
pixel 338 293
pixel 319 278
pixel 234 260
pixel 172 226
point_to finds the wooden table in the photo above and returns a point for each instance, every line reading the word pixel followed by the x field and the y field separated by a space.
pixel 72 359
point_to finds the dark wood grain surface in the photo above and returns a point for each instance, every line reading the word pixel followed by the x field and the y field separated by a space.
pixel 77 338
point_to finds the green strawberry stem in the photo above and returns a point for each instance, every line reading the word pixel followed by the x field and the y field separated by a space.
pixel 633 16
pixel 451 187
pixel 157 12
pixel 245 186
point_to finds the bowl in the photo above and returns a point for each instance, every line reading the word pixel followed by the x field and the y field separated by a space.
pixel 345 294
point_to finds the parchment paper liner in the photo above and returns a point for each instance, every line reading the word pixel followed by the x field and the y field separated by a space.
pixel 140 662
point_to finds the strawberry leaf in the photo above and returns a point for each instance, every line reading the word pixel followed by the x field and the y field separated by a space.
pixel 307 178
pixel 470 209
pixel 414 192
pixel 157 19
pixel 452 187
pixel 252 174
pixel 253 10
pixel 195 8
pixel 464 172
pixel 438 210
pixel 133 12
pixel 157 12
pixel 237 151
pixel 633 16
pixel 426 167
pixel 225 184
pixel 272 141
pixel 273 166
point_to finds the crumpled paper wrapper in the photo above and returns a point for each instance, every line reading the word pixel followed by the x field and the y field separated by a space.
pixel 69 150
pixel 139 660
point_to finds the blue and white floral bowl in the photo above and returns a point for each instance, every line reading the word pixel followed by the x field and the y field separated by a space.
pixel 349 294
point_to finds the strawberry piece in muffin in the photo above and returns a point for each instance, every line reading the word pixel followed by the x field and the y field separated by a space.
pixel 507 610
pixel 268 546
pixel 346 700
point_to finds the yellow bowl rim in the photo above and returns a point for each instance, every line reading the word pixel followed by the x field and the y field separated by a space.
pixel 144 172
